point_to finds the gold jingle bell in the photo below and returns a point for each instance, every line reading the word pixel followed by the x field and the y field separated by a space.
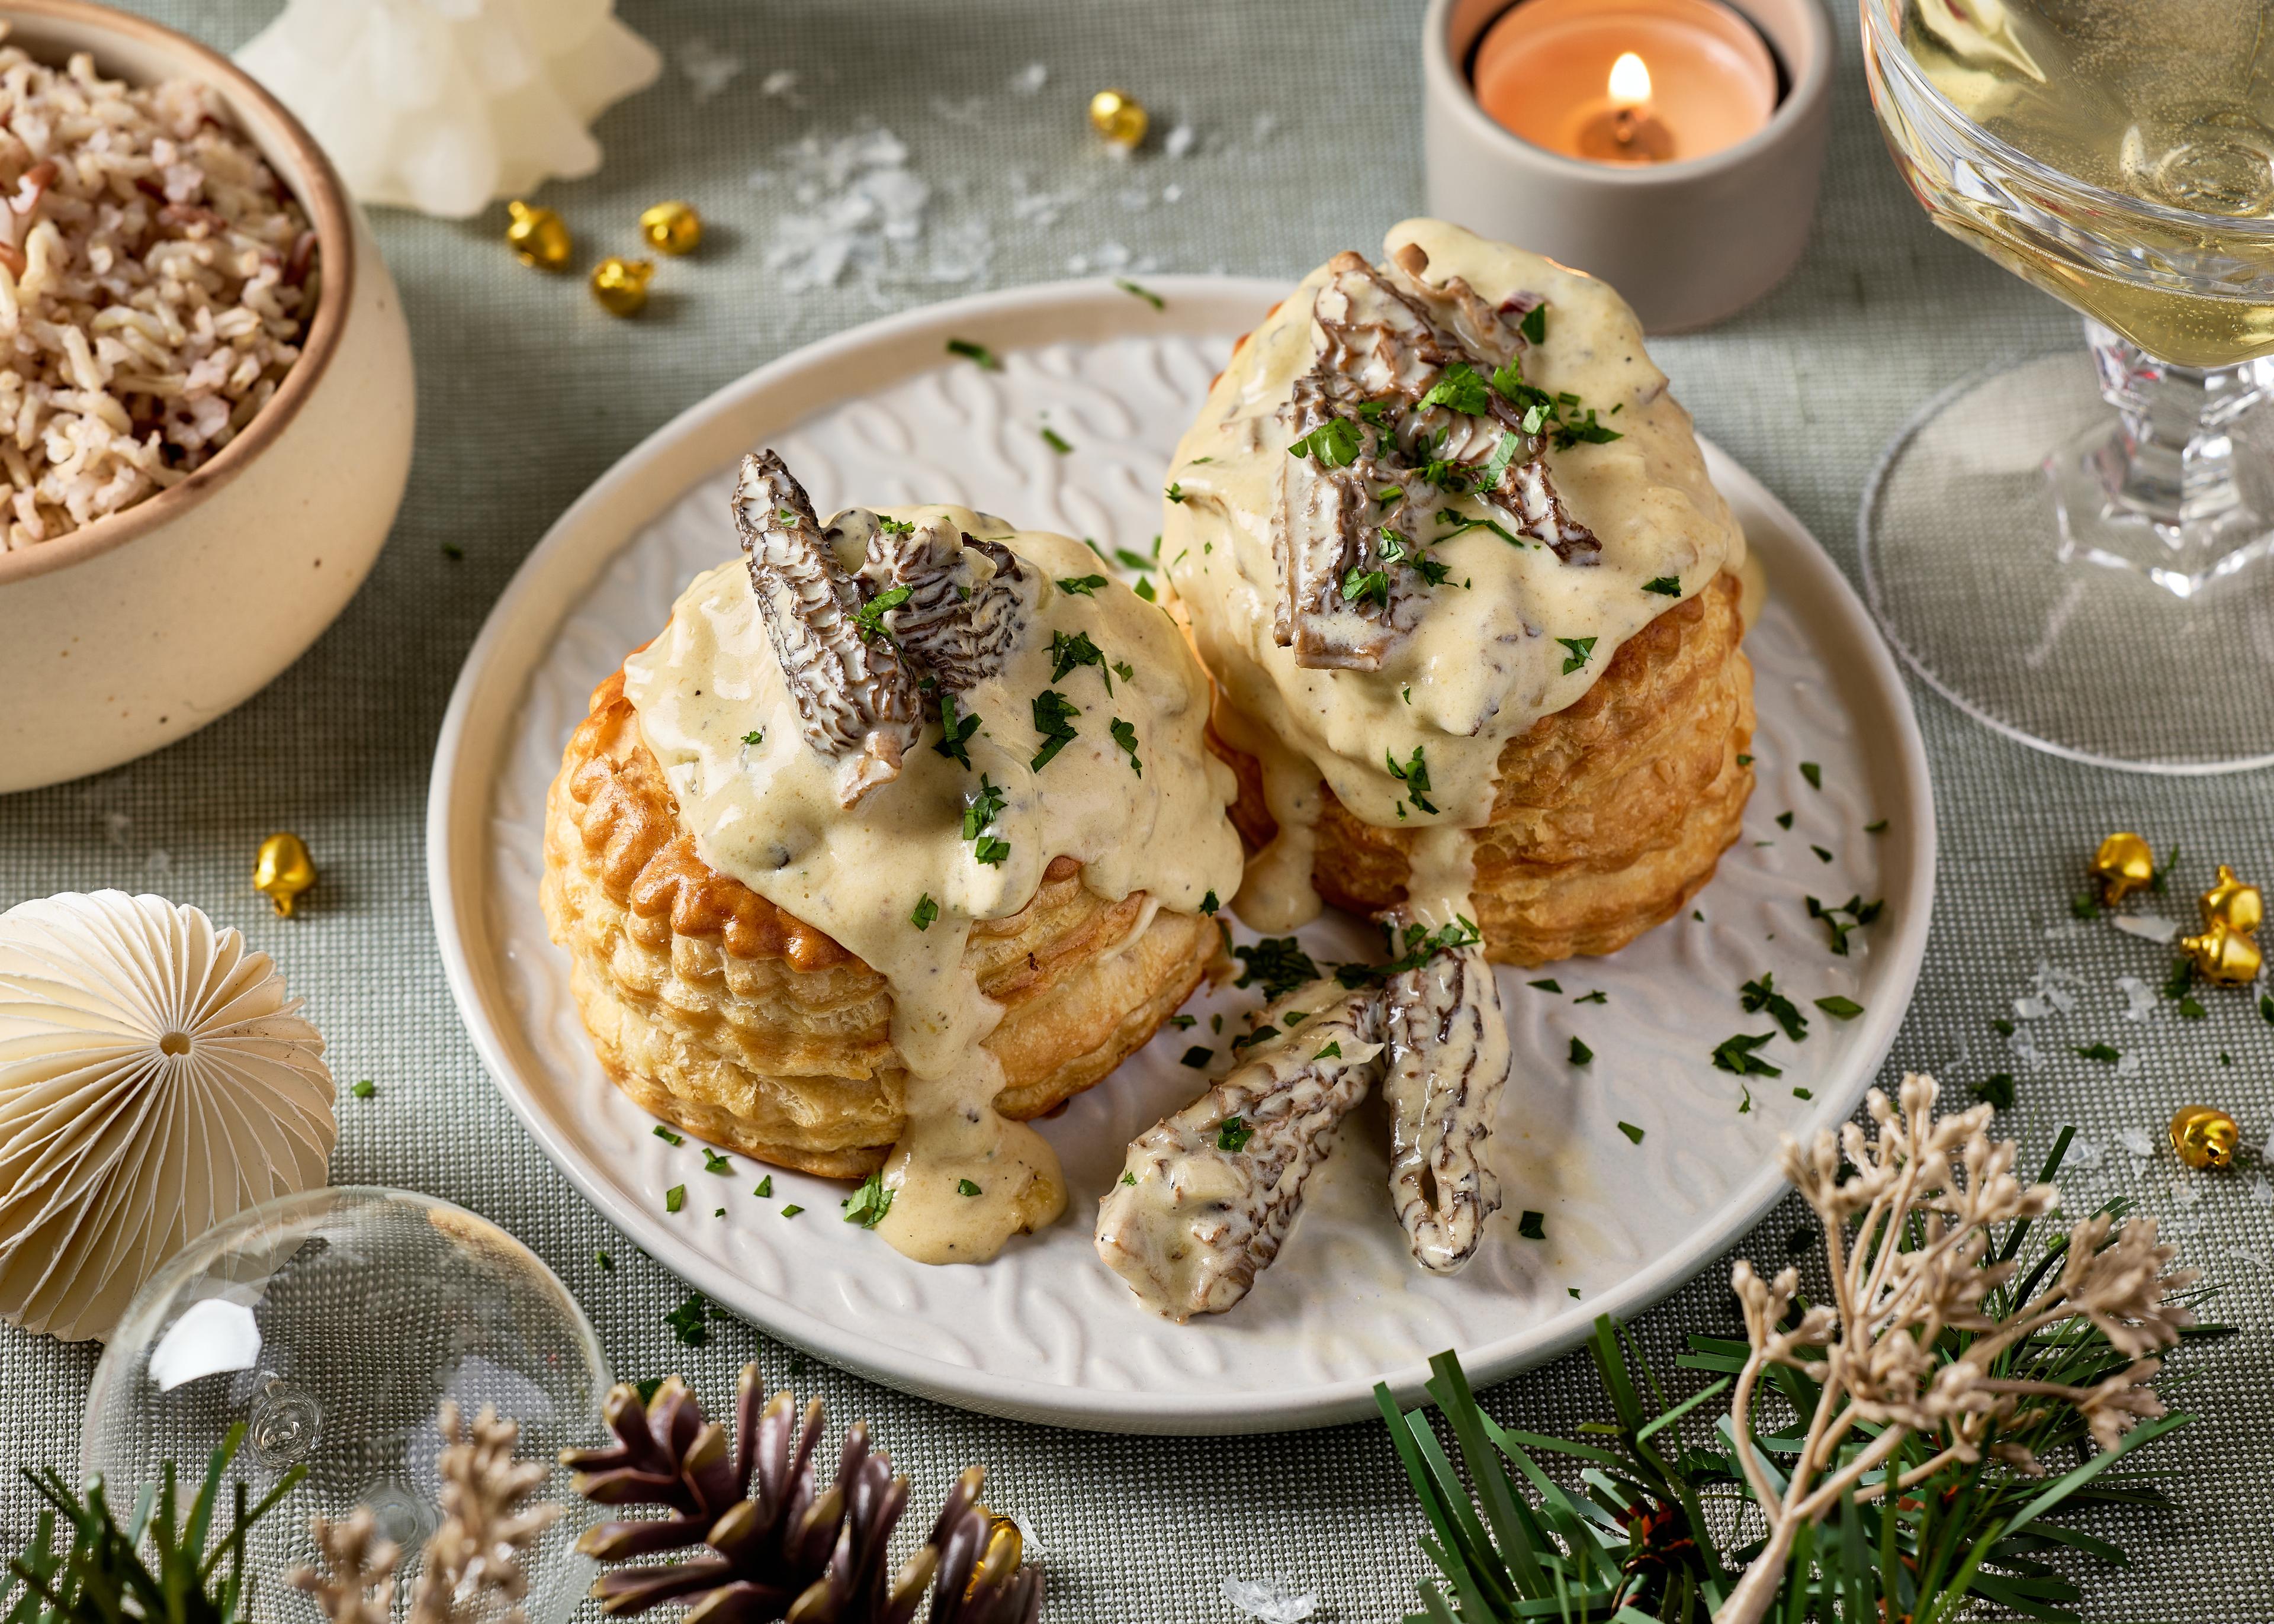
pixel 2123 864
pixel 672 227
pixel 284 870
pixel 1119 117
pixel 2231 903
pixel 537 236
pixel 999 1557
pixel 2204 1135
pixel 2223 955
pixel 621 285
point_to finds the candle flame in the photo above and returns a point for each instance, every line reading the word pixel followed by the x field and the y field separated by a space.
pixel 1630 80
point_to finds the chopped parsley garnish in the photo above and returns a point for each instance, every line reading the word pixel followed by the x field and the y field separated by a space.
pixel 1533 1226
pixel 868 1205
pixel 1458 389
pixel 926 911
pixel 1744 761
pixel 1859 913
pixel 1150 298
pixel 990 850
pixel 1362 585
pixel 765 1187
pixel 1737 1054
pixel 954 732
pixel 964 1187
pixel 1547 983
pixel 1597 997
pixel 1197 1058
pixel 895 527
pixel 667 1136
pixel 1129 1178
pixel 979 353
pixel 606 1262
pixel 452 550
pixel 1184 1023
pixel 1332 1051
pixel 757 735
pixel 1144 589
pixel 1420 944
pixel 1254 1037
pixel 1333 444
pixel 1415 775
pixel 1580 1052
pixel 1822 854
pixel 1803 1093
pixel 1129 560
pixel 2107 1054
pixel 1784 820
pixel 792 1210
pixel 1052 715
pixel 1878 828
pixel 688 1321
pixel 1232 1134
pixel 1070 651
pixel 1397 549
pixel 1577 651
pixel 2266 1007
pixel 1572 431
pixel 2003 1027
pixel 869 618
pixel 1996 1089
pixel 1665 586
pixel 1534 325
pixel 674 1197
pixel 365 1089
pixel 984 809
pixel 1495 466
pixel 1083 584
pixel 1745 1101
pixel 1462 524
pixel 1840 1008
pixel 1125 734
pixel 1632 1131
pixel 1176 490
pixel 2181 978
pixel 1762 995
pixel 1054 441
pixel 2189 1010
pixel 713 1162
pixel 1276 964
pixel 1813 773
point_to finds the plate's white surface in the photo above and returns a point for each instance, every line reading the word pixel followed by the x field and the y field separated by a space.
pixel 881 415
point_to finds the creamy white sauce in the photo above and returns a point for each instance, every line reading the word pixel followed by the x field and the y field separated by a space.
pixel 767 813
pixel 1484 663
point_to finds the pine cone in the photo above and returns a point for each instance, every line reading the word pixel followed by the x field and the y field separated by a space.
pixel 776 1548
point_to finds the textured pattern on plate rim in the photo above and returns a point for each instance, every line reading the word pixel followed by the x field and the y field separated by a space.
pixel 1344 1303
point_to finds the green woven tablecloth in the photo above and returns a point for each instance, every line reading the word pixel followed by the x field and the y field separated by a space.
pixel 1304 139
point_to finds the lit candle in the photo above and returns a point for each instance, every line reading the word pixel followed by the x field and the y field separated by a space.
pixel 1626 81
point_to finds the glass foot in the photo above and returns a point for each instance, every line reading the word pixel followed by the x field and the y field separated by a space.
pixel 2091 581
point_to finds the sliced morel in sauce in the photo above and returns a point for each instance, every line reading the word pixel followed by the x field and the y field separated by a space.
pixel 968 598
pixel 1446 1063
pixel 856 699
pixel 1207 1195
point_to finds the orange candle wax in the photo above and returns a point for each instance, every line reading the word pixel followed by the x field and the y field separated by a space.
pixel 1626 81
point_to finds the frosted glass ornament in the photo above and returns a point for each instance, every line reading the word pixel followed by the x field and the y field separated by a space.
pixel 155 1078
pixel 444 106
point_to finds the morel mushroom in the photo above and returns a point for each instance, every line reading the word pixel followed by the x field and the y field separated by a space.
pixel 1446 1062
pixel 776 1545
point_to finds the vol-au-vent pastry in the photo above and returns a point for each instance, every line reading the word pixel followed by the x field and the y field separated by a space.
pixel 1448 546
pixel 903 831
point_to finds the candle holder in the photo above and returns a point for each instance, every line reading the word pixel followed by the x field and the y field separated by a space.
pixel 1687 241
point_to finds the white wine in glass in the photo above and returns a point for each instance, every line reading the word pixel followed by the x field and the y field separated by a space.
pixel 2099 582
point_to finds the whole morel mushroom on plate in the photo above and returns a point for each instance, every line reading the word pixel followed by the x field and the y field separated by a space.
pixel 775 1543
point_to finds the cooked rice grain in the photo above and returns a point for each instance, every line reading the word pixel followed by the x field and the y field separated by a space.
pixel 155 283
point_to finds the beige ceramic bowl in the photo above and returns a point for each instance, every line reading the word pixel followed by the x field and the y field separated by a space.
pixel 144 626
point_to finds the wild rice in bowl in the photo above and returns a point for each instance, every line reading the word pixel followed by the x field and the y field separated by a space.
pixel 154 286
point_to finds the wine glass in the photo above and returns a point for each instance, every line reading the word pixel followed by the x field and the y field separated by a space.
pixel 331 1325
pixel 2096 583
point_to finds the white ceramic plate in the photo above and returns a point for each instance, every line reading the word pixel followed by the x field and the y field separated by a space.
pixel 884 415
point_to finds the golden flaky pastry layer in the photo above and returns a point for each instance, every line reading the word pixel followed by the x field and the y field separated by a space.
pixel 715 1011
pixel 1609 814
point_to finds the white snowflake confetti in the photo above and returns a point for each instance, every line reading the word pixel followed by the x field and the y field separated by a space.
pixel 780 82
pixel 2139 998
pixel 2028 1053
pixel 972 113
pixel 2147 926
pixel 2249 1256
pixel 2084 1154
pixel 1030 79
pixel 1180 141
pixel 1031 1548
pixel 2262 1193
pixel 1265 123
pixel 2128 1065
pixel 1269 1600
pixel 2137 1141
pixel 708 70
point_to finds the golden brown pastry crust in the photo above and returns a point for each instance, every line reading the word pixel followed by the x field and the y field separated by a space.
pixel 718 1012
pixel 1609 814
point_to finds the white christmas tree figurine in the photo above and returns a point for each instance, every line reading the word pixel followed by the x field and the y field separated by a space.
pixel 444 105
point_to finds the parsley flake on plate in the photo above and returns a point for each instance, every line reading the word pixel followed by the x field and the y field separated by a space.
pixel 868 1205
pixel 1056 441
pixel 1198 1057
pixel 365 1089
pixel 713 1162
pixel 1813 773
pixel 1136 292
pixel 765 1187
pixel 1738 1055
pixel 1762 995
pixel 1277 963
pixel 666 1135
pixel 1533 1226
pixel 1580 1052
pixel 978 354
pixel 1632 1131
pixel 674 1197
pixel 1547 983
pixel 1840 1008
pixel 689 1321
pixel 1996 1089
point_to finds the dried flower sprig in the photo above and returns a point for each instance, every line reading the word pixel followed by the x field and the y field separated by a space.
pixel 355 1584
pixel 778 1546
pixel 1936 1187
pixel 2005 1363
